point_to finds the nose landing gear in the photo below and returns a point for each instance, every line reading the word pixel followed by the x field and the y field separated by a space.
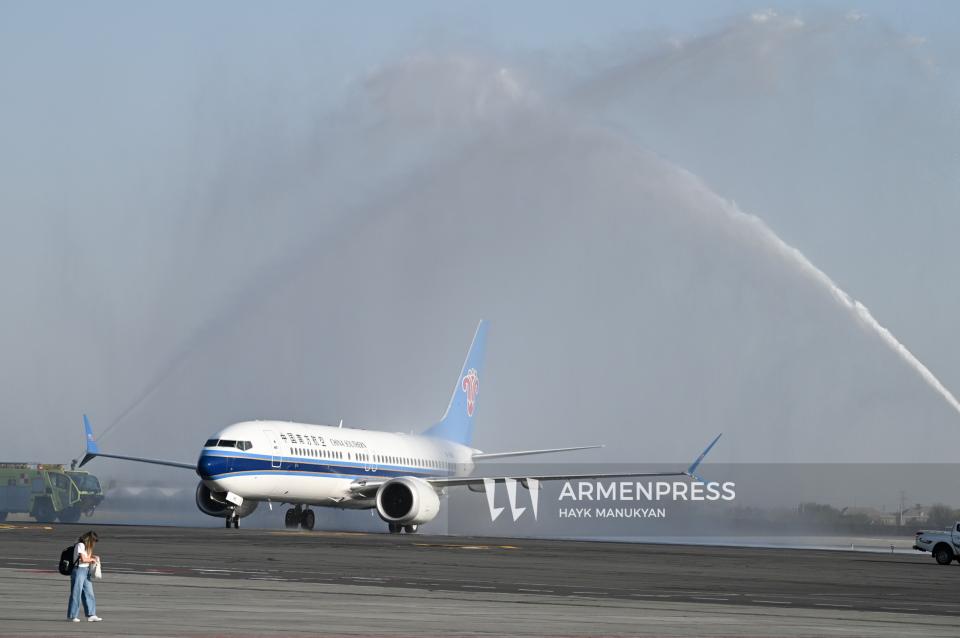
pixel 299 516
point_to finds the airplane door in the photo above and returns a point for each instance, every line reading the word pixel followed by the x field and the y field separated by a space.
pixel 276 455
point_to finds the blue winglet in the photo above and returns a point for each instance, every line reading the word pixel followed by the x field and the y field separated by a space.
pixel 692 470
pixel 92 448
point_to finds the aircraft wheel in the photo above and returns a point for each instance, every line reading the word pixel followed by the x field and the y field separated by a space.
pixel 226 522
pixel 411 529
pixel 394 528
pixel 308 520
pixel 291 519
pixel 236 522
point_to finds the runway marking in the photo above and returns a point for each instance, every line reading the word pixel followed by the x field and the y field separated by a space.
pixel 12 526
pixel 901 608
pixel 539 591
pixel 708 598
pixel 458 546
pixel 217 571
pixel 478 586
pixel 830 605
pixel 772 602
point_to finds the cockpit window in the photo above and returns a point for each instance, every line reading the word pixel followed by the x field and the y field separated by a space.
pixel 240 445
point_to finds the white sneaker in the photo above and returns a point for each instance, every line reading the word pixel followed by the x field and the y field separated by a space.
pixel 73 620
pixel 93 619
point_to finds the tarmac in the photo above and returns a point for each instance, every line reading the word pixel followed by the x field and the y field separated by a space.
pixel 164 581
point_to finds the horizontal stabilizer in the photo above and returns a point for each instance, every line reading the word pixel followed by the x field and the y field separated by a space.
pixel 503 455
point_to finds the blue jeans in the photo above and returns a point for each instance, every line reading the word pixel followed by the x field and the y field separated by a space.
pixel 81 586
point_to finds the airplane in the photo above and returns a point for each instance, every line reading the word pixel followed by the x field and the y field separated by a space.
pixel 402 476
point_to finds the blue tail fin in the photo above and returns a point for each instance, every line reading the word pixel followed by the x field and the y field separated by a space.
pixel 457 422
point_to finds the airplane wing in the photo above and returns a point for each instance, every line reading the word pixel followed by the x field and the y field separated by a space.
pixel 478 480
pixel 482 456
pixel 367 488
pixel 93 451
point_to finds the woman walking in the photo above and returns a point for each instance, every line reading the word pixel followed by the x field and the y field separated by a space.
pixel 81 579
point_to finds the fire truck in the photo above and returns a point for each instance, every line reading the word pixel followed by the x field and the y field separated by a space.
pixel 47 492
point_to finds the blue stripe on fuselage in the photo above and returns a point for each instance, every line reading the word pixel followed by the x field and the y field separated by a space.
pixel 318 475
pixel 217 464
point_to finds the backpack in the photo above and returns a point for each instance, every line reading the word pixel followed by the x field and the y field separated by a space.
pixel 66 560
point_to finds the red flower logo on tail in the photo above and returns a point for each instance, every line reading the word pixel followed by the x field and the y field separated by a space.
pixel 471 385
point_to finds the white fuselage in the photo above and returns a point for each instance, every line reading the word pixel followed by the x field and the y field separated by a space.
pixel 286 462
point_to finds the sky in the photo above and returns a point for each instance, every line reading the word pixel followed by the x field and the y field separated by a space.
pixel 225 212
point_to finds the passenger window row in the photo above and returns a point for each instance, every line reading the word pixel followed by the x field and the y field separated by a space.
pixel 375 458
pixel 319 451
pixel 406 460
pixel 317 454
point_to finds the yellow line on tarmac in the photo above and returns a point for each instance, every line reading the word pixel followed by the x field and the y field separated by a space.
pixel 9 526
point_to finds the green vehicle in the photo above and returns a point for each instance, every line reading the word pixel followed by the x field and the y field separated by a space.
pixel 47 492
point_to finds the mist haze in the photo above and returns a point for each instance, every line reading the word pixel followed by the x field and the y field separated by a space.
pixel 199 234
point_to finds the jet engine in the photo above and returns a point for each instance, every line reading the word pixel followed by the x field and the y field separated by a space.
pixel 215 503
pixel 407 501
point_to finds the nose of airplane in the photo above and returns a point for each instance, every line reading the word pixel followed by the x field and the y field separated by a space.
pixel 209 466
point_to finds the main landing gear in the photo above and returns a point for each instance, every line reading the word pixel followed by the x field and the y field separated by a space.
pixel 396 528
pixel 299 516
pixel 232 520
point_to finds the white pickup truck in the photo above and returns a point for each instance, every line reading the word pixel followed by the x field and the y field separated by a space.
pixel 943 544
